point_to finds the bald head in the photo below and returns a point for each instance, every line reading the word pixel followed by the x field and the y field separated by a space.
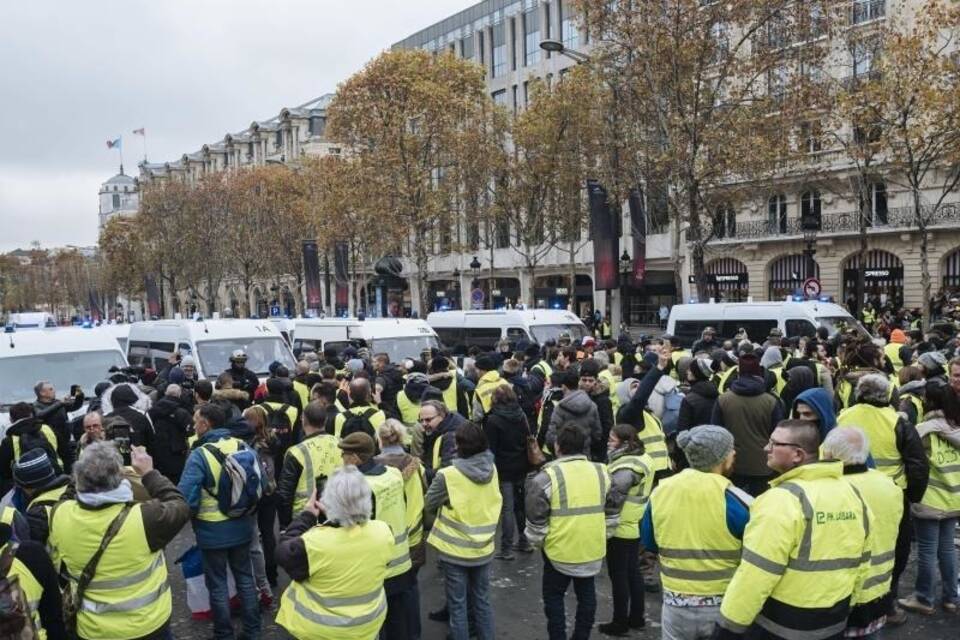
pixel 850 445
pixel 303 368
pixel 360 391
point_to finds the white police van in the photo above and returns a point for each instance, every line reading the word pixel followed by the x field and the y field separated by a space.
pixel 458 329
pixel 64 356
pixel 209 342
pixel 399 338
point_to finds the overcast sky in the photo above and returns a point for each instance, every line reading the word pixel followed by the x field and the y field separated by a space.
pixel 74 74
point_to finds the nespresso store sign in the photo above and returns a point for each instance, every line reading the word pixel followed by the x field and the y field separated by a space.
pixel 874 275
pixel 724 278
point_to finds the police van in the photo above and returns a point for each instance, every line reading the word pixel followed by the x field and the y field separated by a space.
pixel 210 343
pixel 399 338
pixel 119 331
pixel 794 319
pixel 286 327
pixel 64 356
pixel 464 329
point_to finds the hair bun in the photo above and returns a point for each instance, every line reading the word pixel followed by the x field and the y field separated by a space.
pixel 683 439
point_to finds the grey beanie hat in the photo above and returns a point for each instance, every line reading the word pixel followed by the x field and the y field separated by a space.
pixel 705 446
pixel 932 361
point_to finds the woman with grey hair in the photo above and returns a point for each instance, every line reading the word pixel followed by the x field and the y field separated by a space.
pixel 129 596
pixel 337 566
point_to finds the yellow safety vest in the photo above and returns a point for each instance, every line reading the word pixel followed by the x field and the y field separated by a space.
pixel 869 317
pixel 209 511
pixel 303 391
pixel 466 526
pixel 47 432
pixel 389 506
pixel 943 487
pixel 318 456
pixel 32 590
pixel 413 498
pixel 129 596
pixel 450 397
pixel 612 382
pixel 917 403
pixel 485 388
pixel 617 358
pixel 377 418
pixel 675 357
pixel 7 514
pixel 409 410
pixel 780 382
pixel 698 554
pixel 576 531
pixel 879 423
pixel 805 544
pixel 845 390
pixel 632 511
pixel 343 599
pixel 885 502
pixel 723 379
pixel 544 369
pixel 892 351
pixel 192 441
pixel 654 441
pixel 291 412
pixel 47 499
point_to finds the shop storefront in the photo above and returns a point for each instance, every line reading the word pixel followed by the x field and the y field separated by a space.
pixel 951 271
pixel 882 278
pixel 500 293
pixel 553 292
pixel 727 280
pixel 642 304
pixel 787 274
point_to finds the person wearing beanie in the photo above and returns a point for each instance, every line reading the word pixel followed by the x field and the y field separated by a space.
pixel 442 374
pixel 934 365
pixel 696 408
pixel 39 485
pixel 488 381
pixel 698 508
pixel 595 387
pixel 750 412
pixel 362 415
pixel 898 351
pixel 283 414
pixel 123 400
pixel 387 485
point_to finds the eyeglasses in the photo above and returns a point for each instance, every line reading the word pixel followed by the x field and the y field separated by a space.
pixel 774 443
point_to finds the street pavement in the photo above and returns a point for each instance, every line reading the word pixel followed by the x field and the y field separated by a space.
pixel 517 606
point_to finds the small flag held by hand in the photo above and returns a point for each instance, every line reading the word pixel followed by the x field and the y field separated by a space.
pixel 140 132
pixel 114 144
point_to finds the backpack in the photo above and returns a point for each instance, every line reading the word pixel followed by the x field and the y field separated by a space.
pixel 359 422
pixel 671 411
pixel 16 621
pixel 278 420
pixel 239 487
pixel 36 440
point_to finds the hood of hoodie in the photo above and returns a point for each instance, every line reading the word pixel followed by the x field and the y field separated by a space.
pixel 24 425
pixel 819 400
pixel 666 385
pixel 916 387
pixel 771 358
pixel 442 380
pixel 240 428
pixel 236 396
pixel 578 403
pixel 167 405
pixel 704 388
pixel 414 389
pixel 478 468
pixel 749 386
pixel 624 392
pixel 511 411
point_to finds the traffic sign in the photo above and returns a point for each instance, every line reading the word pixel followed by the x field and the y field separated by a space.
pixel 275 311
pixel 811 288
pixel 476 298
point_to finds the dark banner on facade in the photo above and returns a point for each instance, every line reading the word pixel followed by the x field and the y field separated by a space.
pixel 341 269
pixel 605 261
pixel 311 272
pixel 153 296
pixel 96 312
pixel 638 229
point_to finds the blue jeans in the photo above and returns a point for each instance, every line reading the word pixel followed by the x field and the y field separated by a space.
pixel 555 586
pixel 215 563
pixel 475 581
pixel 935 547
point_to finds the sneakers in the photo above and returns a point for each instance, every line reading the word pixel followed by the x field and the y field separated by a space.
pixel 914 605
pixel 523 547
pixel 950 607
pixel 614 629
pixel 897 617
pixel 505 554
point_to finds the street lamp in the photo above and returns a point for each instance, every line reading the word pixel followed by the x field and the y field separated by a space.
pixel 556 46
pixel 475 265
pixel 626 263
pixel 810 226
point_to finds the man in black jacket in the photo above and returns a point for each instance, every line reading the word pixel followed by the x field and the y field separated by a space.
pixel 600 395
pixel 243 378
pixel 171 421
pixel 53 412
pixel 123 398
pixel 25 433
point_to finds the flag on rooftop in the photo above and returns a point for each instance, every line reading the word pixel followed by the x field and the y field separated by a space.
pixel 114 144
pixel 140 132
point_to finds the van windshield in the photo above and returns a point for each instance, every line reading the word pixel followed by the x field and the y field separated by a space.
pixel 543 332
pixel 836 324
pixel 406 347
pixel 215 354
pixel 85 368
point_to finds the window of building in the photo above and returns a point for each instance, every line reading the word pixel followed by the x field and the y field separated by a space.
pixel 480 47
pixel 467 47
pixel 865 10
pixel 777 213
pixel 499 62
pixel 116 200
pixel 568 25
pixel 500 97
pixel 548 24
pixel 863 55
pixel 531 38
pixel 777 82
pixel 278 139
pixel 317 125
pixel 810 137
pixel 502 231
pixel 658 204
pixel 724 222
pixel 526 94
pixel 473 234
pixel 877 209
pixel 250 150
pixel 810 207
pixel 515 95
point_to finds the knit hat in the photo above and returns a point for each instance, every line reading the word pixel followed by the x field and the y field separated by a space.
pixel 34 469
pixel 702 369
pixel 123 396
pixel 898 336
pixel 431 393
pixel 933 361
pixel 176 376
pixel 705 446
pixel 359 443
pixel 485 363
pixel 749 365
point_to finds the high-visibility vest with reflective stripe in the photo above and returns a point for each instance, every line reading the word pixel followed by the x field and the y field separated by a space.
pixel 779 381
pixel 917 403
pixel 612 382
pixel 129 596
pixel 637 496
pixel 465 527
pixel 845 390
pixel 450 397
pixel 409 410
pixel 885 502
pixel 47 499
pixel 723 381
pixel 32 590
pixel 892 351
pixel 943 487
pixel 698 554
pixel 343 599
pixel 209 511
pixel 318 456
pixel 879 423
pixel 811 532
pixel 675 357
pixel 545 369
pixel 376 418
pixel 576 531
pixel 654 441
pixel 413 494
pixel 389 506
pixel 485 388
pixel 617 358
pixel 7 514
pixel 47 432
pixel 291 412
pixel 303 392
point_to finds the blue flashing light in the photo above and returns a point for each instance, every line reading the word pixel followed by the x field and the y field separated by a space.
pixel 824 299
pixel 798 298
pixel 87 325
pixel 9 329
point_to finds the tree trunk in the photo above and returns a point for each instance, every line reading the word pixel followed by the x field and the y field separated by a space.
pixel 925 284
pixel 490 279
pixel 573 277
pixel 862 250
pixel 299 299
pixel 677 262
pixel 245 307
pixel 531 300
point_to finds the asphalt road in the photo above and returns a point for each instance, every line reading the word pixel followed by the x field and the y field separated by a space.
pixel 518 610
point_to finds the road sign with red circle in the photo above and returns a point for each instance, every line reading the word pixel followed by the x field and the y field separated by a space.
pixel 811 288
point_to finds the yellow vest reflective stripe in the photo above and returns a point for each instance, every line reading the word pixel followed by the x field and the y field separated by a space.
pixel 485 388
pixel 209 511
pixel 577 525
pixel 435 458
pixel 885 502
pixel 47 499
pixel 303 392
pixel 47 434
pixel 544 369
pixel 7 514
pixel 637 496
pixel 32 590
pixel 409 411
pixel 654 441
pixel 943 487
pixel 612 382
pixel 879 423
pixel 192 441
pixel 413 495
pixel 723 380
pixel 698 554
pixel 343 597
pixel 779 381
pixel 845 390
pixel 376 418
pixel 129 597
pixel 389 506
pixel 318 456
pixel 818 569
pixel 465 527
pixel 892 351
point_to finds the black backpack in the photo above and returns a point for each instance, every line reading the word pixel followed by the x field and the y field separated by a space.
pixel 16 621
pixel 359 422
pixel 36 440
pixel 278 420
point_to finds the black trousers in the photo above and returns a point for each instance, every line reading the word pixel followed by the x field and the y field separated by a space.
pixel 901 553
pixel 266 522
pixel 396 626
pixel 623 565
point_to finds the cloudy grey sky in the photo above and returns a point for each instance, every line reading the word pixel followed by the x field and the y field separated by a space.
pixel 74 74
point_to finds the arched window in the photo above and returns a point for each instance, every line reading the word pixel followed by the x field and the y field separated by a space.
pixel 810 207
pixel 777 213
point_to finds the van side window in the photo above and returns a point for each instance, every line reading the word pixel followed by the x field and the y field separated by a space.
pixel 516 334
pixel 798 328
pixel 757 330
pixel 138 353
pixel 483 338
pixel 689 331
pixel 450 337
pixel 185 349
pixel 304 346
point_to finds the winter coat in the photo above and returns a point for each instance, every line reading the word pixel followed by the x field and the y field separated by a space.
pixel 233 401
pixel 601 398
pixel 442 381
pixel 507 428
pixel 169 445
pixel 447 429
pixel 799 379
pixel 54 414
pixel 750 413
pixel 578 409
pixel 934 423
pixel 141 428
pixel 696 409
